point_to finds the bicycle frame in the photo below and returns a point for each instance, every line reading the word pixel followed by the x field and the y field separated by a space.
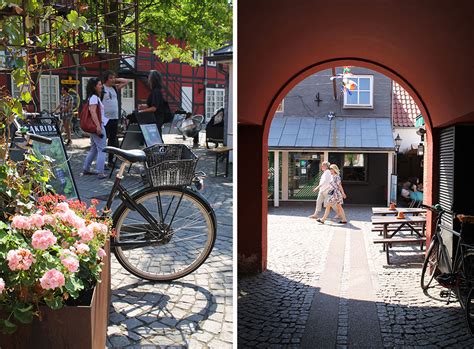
pixel 132 205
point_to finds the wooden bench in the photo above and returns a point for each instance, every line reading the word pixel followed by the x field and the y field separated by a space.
pixel 388 243
pixel 222 152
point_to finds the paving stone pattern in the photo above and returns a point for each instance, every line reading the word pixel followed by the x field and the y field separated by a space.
pixel 273 306
pixel 195 311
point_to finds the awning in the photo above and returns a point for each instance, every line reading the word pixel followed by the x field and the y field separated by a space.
pixel 339 133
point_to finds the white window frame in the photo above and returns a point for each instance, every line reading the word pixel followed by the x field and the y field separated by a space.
pixel 371 103
pixel 84 81
pixel 281 107
pixel 130 86
pixel 49 105
pixel 208 112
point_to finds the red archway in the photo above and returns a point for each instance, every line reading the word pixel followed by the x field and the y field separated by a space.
pixel 415 50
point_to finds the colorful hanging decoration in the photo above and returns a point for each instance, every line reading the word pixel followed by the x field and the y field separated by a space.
pixel 347 85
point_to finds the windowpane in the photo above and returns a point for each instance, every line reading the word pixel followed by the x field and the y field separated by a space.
pixel 354 168
pixel 364 84
pixel 364 97
pixel 352 99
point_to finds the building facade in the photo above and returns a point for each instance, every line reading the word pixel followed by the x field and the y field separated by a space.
pixel 317 122
pixel 199 89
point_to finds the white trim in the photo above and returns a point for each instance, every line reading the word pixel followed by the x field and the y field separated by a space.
pixel 84 80
pixel 53 84
pixel 276 178
pixel 389 175
pixel 363 106
pixel 281 107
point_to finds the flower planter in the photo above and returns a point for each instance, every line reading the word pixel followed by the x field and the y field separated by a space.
pixel 78 327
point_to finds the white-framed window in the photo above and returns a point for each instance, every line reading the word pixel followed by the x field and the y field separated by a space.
pixel 49 92
pixel 363 95
pixel 281 107
pixel 215 99
pixel 128 91
pixel 43 26
pixel 84 81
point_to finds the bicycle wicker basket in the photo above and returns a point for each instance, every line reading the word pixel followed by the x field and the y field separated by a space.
pixel 170 165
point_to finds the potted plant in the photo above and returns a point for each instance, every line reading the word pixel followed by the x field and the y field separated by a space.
pixel 54 276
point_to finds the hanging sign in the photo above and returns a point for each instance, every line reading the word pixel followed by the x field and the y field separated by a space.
pixel 70 81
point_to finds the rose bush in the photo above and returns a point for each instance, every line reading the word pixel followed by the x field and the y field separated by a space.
pixel 49 256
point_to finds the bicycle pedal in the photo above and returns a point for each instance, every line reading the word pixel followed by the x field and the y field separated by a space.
pixel 444 293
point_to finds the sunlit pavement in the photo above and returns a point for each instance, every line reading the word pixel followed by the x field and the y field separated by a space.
pixel 329 286
pixel 195 311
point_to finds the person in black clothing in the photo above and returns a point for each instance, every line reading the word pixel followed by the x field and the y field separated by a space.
pixel 154 103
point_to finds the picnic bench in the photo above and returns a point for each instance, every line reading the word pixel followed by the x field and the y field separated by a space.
pixel 384 211
pixel 391 226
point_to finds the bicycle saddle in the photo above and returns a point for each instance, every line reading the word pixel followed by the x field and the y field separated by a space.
pixel 447 280
pixel 134 155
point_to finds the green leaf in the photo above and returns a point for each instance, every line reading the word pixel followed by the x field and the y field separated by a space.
pixel 26 96
pixel 8 327
pixel 55 303
pixel 23 315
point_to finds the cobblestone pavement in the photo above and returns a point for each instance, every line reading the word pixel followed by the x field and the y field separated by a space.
pixel 195 311
pixel 273 307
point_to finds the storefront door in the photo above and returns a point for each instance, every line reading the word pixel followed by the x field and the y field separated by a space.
pixel 303 175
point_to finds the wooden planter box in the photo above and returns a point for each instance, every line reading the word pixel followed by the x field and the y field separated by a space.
pixel 80 327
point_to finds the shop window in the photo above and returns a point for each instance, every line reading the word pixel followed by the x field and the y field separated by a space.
pixel 271 175
pixel 353 166
pixel 304 174
pixel 362 96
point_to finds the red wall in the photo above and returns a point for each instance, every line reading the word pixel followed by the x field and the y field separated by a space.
pixel 426 46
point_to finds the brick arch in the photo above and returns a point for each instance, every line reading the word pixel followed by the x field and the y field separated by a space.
pixel 424 46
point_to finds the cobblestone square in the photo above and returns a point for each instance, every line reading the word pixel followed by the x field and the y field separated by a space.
pixel 195 311
pixel 358 299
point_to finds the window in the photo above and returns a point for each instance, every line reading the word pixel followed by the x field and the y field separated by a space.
pixel 362 96
pixel 128 91
pixel 49 92
pixel 304 173
pixel 214 101
pixel 209 54
pixel 353 166
pixel 85 79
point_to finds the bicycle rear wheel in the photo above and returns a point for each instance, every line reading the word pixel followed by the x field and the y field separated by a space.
pixel 464 283
pixel 190 233
pixel 430 264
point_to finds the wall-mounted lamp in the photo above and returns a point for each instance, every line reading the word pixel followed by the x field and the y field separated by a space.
pixel 398 142
pixel 421 132
pixel 421 149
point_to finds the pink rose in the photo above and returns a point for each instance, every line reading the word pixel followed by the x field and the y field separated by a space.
pixel 2 285
pixel 101 253
pixel 62 207
pixel 81 248
pixel 86 234
pixel 20 259
pixel 36 221
pixel 98 228
pixel 70 261
pixel 21 222
pixel 42 239
pixel 52 279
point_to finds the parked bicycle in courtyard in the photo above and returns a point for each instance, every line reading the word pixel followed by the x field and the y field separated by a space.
pixel 458 275
pixel 165 230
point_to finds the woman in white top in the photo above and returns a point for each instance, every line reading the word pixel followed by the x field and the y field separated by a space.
pixel 98 140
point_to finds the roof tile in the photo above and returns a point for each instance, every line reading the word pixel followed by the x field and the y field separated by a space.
pixel 404 108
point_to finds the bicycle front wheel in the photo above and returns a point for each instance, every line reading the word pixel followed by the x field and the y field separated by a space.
pixel 190 232
pixel 430 264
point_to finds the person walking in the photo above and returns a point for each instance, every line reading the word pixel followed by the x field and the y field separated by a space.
pixel 96 108
pixel 65 110
pixel 154 103
pixel 111 87
pixel 323 187
pixel 336 196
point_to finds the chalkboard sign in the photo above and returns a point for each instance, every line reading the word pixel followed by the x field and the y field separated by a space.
pixel 393 188
pixel 63 181
pixel 151 134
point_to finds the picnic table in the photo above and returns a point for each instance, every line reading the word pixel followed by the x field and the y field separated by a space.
pixel 407 210
pixel 415 224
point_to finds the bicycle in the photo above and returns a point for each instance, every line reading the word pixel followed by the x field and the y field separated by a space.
pixel 459 276
pixel 167 230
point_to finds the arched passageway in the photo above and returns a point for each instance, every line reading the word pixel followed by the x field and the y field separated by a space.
pixel 425 46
